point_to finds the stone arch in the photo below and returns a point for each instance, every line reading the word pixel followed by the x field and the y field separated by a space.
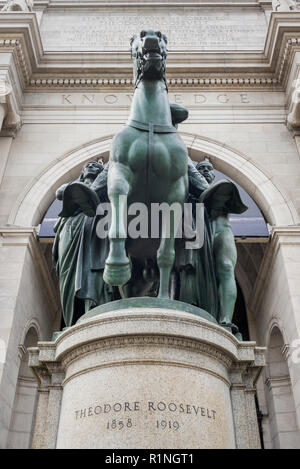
pixel 37 196
pixel 282 419
pixel 40 192
pixel 30 324
pixel 25 400
pixel 276 207
pixel 276 364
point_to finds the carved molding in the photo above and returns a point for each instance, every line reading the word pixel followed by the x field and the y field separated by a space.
pixel 182 82
pixel 92 4
pixel 21 351
pixel 290 45
pixel 285 5
pixel 18 5
pixel 17 48
pixel 145 341
pixel 278 382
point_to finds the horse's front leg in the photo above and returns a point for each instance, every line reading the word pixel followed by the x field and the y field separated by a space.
pixel 166 251
pixel 117 270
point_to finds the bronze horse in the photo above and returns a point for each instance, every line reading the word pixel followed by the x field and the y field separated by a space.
pixel 148 163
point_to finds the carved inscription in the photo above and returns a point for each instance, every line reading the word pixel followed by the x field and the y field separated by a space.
pixel 188 99
pixel 118 416
pixel 192 99
pixel 107 30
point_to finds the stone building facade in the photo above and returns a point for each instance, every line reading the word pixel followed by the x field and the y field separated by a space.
pixel 65 90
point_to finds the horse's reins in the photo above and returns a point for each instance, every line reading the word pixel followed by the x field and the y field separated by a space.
pixel 149 126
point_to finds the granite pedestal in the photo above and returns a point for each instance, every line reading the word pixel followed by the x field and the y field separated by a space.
pixel 146 376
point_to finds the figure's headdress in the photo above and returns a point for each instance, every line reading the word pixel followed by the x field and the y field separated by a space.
pixel 100 162
pixel 205 161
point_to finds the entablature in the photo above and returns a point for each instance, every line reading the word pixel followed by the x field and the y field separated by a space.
pixel 20 36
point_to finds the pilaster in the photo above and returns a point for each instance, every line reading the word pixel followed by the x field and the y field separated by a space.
pixel 26 293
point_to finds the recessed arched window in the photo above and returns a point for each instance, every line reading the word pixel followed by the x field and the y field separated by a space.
pixel 23 414
pixel 282 420
pixel 249 225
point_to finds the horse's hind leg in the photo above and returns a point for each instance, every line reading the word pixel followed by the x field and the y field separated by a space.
pixel 117 266
pixel 166 251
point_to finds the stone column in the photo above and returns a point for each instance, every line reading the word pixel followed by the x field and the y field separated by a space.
pixel 243 379
pixel 38 440
pixel 54 404
pixel 44 379
pixel 50 379
pixel 285 431
pixel 22 266
pixel 239 409
pixel 253 430
pixel 278 284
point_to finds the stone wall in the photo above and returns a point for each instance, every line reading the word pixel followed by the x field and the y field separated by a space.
pixel 69 74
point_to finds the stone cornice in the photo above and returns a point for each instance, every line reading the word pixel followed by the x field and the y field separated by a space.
pixel 19 34
pixel 157 327
pixel 97 4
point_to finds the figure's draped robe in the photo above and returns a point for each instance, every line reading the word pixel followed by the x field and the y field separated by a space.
pixel 79 259
pixel 196 267
pixel 198 285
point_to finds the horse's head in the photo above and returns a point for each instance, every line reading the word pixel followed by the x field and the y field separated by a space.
pixel 149 52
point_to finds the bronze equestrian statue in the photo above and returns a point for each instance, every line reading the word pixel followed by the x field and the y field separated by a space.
pixel 149 164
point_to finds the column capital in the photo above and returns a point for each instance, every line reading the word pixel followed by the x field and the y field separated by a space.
pixel 278 382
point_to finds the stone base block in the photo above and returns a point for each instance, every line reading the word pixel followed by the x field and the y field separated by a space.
pixel 146 378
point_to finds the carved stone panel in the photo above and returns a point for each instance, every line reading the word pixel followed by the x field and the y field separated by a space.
pixel 106 30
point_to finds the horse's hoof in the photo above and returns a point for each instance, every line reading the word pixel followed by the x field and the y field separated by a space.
pixel 117 275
